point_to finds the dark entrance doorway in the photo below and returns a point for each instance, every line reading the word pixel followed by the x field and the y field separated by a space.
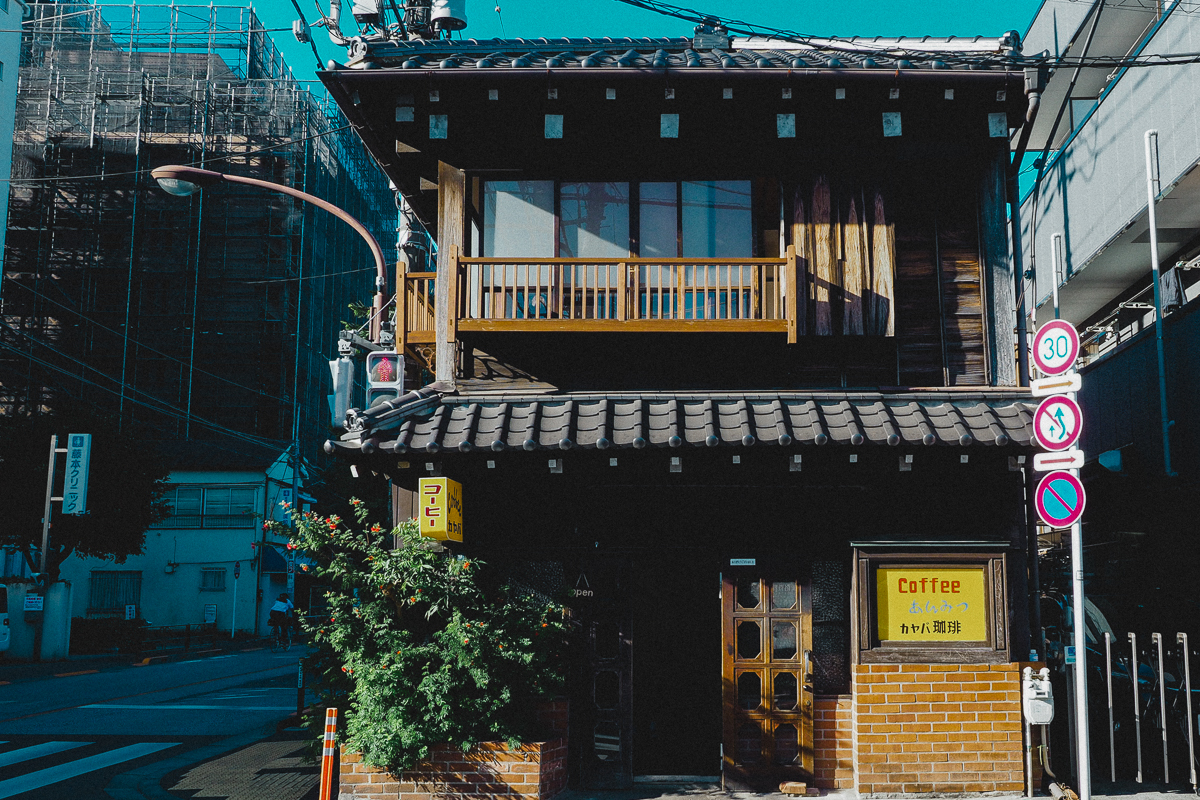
pixel 677 663
pixel 601 739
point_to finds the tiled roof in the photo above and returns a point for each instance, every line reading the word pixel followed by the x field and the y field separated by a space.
pixel 678 53
pixel 483 422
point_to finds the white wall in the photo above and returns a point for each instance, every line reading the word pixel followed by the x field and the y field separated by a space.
pixel 1096 187
pixel 174 559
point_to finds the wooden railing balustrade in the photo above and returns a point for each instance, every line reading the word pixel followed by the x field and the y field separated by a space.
pixel 607 295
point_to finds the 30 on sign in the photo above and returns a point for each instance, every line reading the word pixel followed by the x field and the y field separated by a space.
pixel 1056 347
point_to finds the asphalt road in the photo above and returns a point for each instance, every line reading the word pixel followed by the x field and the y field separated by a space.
pixel 113 731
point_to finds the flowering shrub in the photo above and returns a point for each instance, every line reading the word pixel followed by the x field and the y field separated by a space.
pixel 421 647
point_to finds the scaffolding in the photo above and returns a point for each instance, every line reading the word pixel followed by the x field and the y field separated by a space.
pixel 205 319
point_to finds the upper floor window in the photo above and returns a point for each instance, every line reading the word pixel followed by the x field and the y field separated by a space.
pixel 211 507
pixel 597 219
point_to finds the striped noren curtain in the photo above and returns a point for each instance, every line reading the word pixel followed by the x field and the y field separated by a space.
pixel 847 250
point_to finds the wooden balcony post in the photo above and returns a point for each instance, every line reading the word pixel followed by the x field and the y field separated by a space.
pixel 401 304
pixel 792 281
pixel 622 290
pixel 452 309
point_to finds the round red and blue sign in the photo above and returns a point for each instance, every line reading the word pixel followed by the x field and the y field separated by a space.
pixel 1056 347
pixel 1060 499
pixel 1057 422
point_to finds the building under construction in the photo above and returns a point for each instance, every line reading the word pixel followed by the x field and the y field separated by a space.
pixel 210 318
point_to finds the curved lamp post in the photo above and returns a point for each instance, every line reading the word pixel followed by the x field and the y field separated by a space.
pixel 183 181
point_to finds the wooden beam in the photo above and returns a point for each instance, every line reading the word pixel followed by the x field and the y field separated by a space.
pixel 453 310
pixel 401 303
pixel 616 326
pixel 792 282
pixel 452 188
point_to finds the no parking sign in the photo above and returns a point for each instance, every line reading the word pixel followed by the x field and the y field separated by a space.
pixel 1060 499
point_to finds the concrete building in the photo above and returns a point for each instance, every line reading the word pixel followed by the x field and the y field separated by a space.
pixel 12 15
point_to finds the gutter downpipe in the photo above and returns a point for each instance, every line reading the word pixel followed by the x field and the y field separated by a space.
pixel 1153 187
pixel 1035 82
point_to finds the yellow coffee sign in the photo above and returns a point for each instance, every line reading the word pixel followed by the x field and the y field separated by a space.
pixel 440 511
pixel 931 604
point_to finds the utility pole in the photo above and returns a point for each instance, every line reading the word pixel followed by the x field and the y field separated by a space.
pixel 46 508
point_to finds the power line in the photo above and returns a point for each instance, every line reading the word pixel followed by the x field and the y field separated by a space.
pixel 141 345
pixel 158 405
pixel 867 47
pixel 58 178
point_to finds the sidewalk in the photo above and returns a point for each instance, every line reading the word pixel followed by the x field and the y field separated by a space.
pixel 276 768
pixel 713 791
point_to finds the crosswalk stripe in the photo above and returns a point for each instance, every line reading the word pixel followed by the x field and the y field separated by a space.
pixel 37 751
pixel 82 766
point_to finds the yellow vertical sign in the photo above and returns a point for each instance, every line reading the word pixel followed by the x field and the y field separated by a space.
pixel 931 604
pixel 440 512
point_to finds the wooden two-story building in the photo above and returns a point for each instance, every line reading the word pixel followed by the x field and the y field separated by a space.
pixel 719 339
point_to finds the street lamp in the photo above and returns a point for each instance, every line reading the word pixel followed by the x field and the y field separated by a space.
pixel 183 181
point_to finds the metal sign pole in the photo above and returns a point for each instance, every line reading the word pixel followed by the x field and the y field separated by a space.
pixel 1081 699
pixel 1152 189
pixel 1112 742
pixel 46 509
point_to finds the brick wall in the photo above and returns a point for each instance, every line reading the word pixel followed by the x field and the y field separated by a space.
pixel 489 771
pixel 833 742
pixel 924 728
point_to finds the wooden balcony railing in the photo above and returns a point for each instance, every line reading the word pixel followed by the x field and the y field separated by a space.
pixel 415 321
pixel 608 295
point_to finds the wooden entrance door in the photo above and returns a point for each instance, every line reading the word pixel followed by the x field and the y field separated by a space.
pixel 766 649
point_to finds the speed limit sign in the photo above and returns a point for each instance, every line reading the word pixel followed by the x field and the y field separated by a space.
pixel 1055 347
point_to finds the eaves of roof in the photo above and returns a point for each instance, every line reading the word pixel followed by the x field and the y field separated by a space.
pixel 524 422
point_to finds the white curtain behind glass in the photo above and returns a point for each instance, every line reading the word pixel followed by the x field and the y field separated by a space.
pixel 518 219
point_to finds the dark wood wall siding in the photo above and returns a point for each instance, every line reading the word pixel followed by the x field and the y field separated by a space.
pixel 940 297
pixel 919 354
pixel 962 296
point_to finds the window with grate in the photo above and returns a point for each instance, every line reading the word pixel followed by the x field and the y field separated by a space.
pixel 211 507
pixel 212 579
pixel 229 508
pixel 112 590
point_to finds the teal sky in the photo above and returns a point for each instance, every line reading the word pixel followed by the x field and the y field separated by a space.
pixel 533 19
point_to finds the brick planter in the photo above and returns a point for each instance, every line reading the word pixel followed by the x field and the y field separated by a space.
pixel 532 771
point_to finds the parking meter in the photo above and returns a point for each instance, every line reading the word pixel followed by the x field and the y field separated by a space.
pixel 1037 697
